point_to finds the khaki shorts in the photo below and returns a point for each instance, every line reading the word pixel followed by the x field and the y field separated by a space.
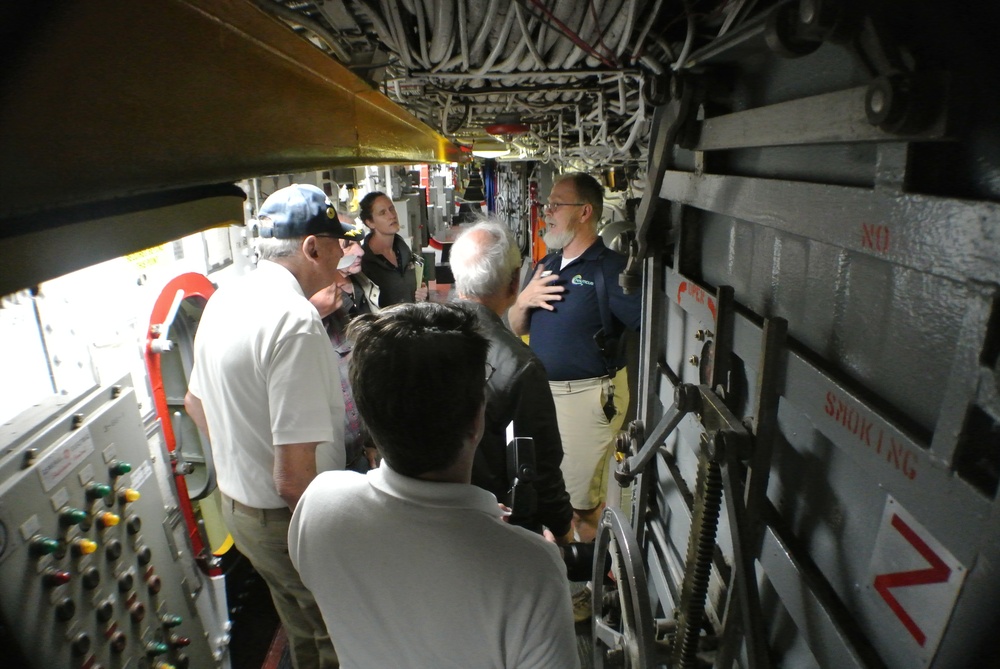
pixel 588 437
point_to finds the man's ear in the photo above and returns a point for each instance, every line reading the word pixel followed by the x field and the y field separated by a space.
pixel 309 249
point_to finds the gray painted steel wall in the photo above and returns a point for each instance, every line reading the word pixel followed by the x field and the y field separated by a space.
pixel 882 253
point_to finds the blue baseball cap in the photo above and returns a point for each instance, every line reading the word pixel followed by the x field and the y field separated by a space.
pixel 300 210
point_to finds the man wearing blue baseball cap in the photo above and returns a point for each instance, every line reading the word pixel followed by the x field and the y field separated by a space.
pixel 265 388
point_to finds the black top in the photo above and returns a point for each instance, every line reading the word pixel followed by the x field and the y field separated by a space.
pixel 396 283
pixel 519 391
pixel 356 303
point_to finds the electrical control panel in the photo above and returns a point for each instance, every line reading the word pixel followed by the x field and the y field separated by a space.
pixel 96 568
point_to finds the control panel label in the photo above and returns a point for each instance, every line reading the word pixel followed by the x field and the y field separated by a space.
pixel 141 473
pixel 64 459
pixel 916 578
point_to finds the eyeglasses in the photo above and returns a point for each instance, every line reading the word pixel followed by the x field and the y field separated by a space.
pixel 490 369
pixel 552 206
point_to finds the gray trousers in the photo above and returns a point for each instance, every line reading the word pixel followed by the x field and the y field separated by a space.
pixel 262 536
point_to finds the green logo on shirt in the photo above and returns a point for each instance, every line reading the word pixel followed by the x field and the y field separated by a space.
pixel 580 281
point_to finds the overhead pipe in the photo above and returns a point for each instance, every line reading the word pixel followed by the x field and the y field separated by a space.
pixel 442 34
pixel 397 38
pixel 402 39
pixel 514 57
pixel 572 74
pixel 463 35
pixel 532 49
pixel 688 40
pixel 291 16
pixel 484 30
pixel 637 49
pixel 629 26
pixel 636 122
pixel 418 15
pixel 381 29
pixel 564 29
pixel 495 53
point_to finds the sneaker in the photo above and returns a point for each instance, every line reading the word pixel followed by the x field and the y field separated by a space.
pixel 582 606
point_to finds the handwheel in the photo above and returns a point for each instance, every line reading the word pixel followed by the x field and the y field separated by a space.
pixel 623 628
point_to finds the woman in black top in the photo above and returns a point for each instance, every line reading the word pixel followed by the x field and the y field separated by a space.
pixel 388 261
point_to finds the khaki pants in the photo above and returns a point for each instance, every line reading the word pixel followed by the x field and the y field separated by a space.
pixel 262 536
pixel 588 437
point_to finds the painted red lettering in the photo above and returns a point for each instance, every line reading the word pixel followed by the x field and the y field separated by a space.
pixel 897 454
pixel 839 412
pixel 938 572
pixel 910 472
pixel 853 422
pixel 866 432
pixel 829 403
pixel 875 237
pixel 892 456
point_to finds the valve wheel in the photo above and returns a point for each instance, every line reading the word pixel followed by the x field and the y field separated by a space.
pixel 623 627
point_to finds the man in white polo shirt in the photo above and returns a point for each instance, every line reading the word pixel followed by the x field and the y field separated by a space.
pixel 412 565
pixel 266 390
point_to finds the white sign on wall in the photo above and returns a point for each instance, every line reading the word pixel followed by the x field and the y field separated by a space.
pixel 916 579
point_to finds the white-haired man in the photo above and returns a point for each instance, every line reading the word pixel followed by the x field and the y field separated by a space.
pixel 487 267
pixel 266 391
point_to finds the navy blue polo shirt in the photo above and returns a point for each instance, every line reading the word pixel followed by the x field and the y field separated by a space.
pixel 564 338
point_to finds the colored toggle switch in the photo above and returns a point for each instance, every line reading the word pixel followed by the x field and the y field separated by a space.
pixel 128 495
pixel 119 467
pixel 56 577
pixel 108 519
pixel 83 547
pixel 97 490
pixel 154 648
pixel 70 516
pixel 179 641
pixel 169 620
pixel 40 546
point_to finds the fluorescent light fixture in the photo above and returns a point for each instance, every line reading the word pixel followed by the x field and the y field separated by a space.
pixel 489 148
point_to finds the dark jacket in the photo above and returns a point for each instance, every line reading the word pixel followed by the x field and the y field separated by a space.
pixel 519 391
pixel 396 283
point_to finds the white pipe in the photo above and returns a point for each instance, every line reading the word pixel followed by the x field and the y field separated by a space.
pixel 442 33
pixel 421 32
pixel 484 29
pixel 688 41
pixel 645 29
pixel 501 42
pixel 629 25
pixel 402 48
pixel 541 64
pixel 463 35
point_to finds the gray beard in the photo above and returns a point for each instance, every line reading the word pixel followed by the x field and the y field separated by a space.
pixel 558 240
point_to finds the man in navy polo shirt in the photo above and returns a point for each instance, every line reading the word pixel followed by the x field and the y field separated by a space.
pixel 568 306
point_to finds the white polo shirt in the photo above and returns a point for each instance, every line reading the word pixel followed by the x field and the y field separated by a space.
pixel 267 375
pixel 409 573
